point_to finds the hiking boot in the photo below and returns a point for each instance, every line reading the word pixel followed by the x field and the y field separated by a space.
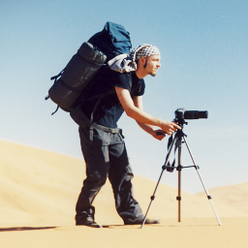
pixel 89 224
pixel 139 222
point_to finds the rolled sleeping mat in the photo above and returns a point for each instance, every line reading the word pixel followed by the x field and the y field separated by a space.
pixel 83 66
pixel 77 74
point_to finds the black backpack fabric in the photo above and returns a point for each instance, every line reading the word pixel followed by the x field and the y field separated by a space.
pixel 81 70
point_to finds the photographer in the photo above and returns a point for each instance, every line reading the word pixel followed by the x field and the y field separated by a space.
pixel 102 142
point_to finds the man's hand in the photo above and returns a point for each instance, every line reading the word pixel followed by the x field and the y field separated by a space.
pixel 169 127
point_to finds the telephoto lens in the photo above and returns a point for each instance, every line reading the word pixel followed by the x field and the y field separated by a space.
pixel 195 114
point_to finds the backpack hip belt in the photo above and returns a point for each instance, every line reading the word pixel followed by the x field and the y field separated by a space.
pixel 105 129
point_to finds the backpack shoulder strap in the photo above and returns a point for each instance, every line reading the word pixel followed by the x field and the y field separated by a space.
pixel 101 96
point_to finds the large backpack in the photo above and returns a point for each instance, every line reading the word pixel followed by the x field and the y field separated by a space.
pixel 70 83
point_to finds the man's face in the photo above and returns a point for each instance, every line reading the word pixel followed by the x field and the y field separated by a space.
pixel 152 64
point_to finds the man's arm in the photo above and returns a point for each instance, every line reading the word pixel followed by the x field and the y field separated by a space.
pixel 134 109
pixel 156 133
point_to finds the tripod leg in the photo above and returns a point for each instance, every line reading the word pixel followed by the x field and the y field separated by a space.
pixel 179 198
pixel 163 168
pixel 204 187
pixel 179 168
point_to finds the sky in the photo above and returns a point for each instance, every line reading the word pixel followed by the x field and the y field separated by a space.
pixel 204 66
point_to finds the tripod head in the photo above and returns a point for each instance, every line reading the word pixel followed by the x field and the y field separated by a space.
pixel 180 115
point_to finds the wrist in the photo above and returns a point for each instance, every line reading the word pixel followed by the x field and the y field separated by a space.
pixel 159 123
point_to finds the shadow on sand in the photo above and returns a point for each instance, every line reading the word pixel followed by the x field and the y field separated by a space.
pixel 16 229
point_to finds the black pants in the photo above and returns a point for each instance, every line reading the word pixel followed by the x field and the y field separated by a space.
pixel 106 157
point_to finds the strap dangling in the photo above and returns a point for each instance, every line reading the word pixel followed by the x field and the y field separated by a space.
pixel 55 77
pixel 55 110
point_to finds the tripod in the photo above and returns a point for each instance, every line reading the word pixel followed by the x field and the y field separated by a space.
pixel 176 142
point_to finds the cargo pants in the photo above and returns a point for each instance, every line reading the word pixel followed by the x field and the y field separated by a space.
pixel 106 157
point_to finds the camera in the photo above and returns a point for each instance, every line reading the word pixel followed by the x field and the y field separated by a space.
pixel 183 114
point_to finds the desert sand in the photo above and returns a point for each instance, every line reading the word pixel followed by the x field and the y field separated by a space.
pixel 37 199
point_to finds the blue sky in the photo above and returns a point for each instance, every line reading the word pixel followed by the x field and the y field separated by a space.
pixel 204 67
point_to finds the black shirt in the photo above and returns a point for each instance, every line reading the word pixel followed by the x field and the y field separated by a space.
pixel 109 109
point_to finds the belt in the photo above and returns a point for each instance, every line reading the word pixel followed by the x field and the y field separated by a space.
pixel 102 128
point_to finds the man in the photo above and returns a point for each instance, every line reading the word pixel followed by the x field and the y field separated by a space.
pixel 102 142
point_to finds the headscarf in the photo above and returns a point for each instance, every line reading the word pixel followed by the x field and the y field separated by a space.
pixel 127 62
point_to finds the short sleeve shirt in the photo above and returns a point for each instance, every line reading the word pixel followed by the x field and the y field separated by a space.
pixel 109 109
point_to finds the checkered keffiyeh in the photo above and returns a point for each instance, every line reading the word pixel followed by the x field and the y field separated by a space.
pixel 127 62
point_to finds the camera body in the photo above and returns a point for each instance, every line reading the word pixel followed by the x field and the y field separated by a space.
pixel 182 114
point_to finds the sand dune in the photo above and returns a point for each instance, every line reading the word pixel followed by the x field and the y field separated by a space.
pixel 39 190
pixel 235 196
